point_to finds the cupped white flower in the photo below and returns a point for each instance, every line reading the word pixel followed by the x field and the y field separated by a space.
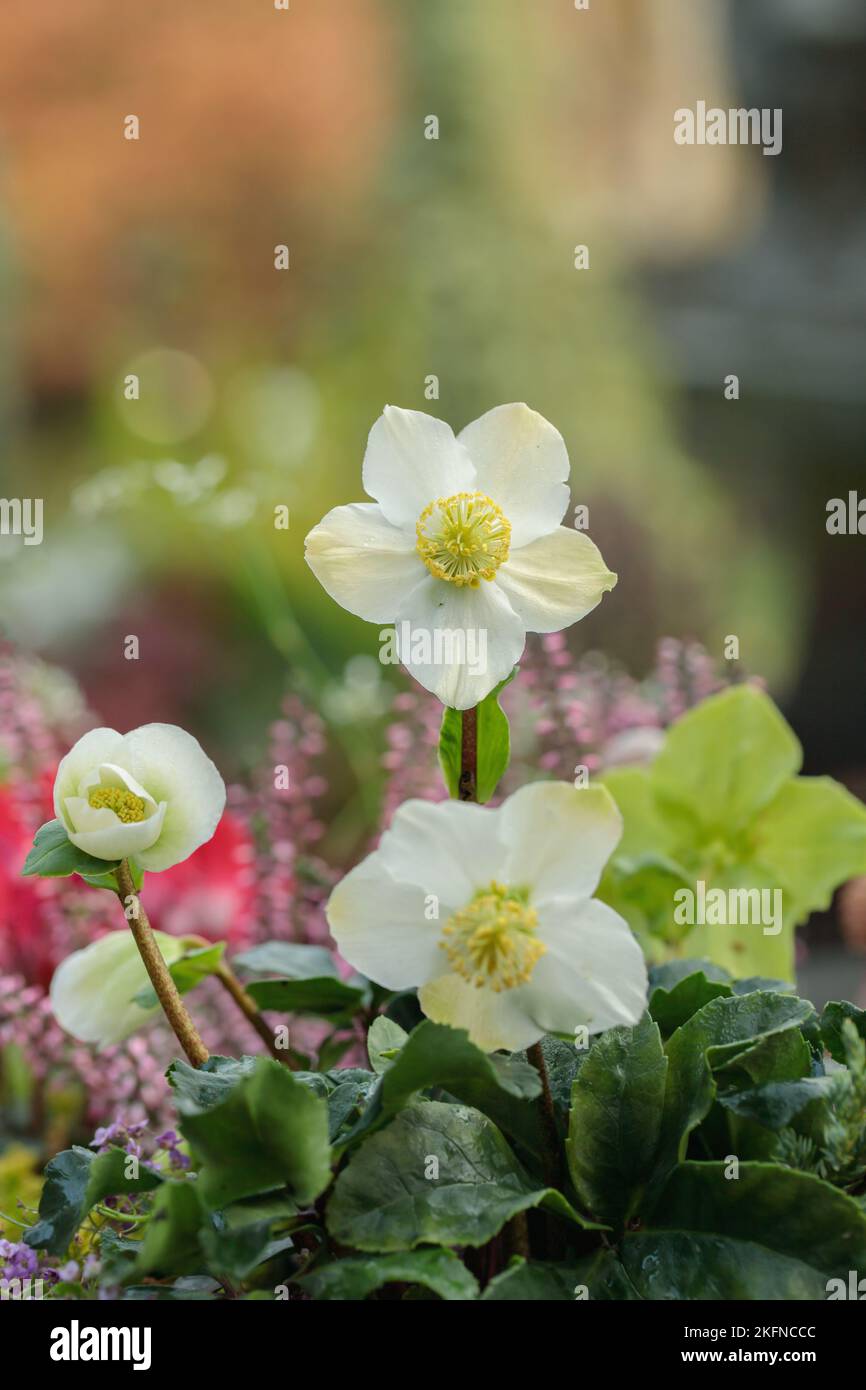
pixel 463 545
pixel 152 794
pixel 93 991
pixel 490 913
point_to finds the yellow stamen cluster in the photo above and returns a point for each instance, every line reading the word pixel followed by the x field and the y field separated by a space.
pixel 125 804
pixel 464 538
pixel 492 942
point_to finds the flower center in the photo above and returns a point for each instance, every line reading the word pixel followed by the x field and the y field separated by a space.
pixel 492 941
pixel 125 804
pixel 463 538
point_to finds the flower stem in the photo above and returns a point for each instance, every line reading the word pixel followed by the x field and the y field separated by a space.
pixel 550 1146
pixel 468 785
pixel 160 977
pixel 247 1005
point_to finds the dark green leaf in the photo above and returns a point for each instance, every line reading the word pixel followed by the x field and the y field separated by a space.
pixel 270 1132
pixel 171 1242
pixel 389 1196
pixel 436 1055
pixel 832 1018
pixel 616 1115
pixel 76 1180
pixel 353 1279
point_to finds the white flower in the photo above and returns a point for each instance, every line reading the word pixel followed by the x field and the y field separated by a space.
pixel 152 793
pixel 491 914
pixel 93 990
pixel 464 537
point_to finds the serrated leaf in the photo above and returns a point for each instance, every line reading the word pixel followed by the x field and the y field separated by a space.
pixel 832 1018
pixel 769 1233
pixel 437 1055
pixel 726 759
pixel 616 1111
pixel 270 1132
pixel 383 1199
pixel 75 1180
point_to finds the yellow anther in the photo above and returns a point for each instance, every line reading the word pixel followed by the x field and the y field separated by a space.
pixel 464 538
pixel 125 804
pixel 492 941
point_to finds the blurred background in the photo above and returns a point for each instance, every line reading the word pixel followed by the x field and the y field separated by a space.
pixel 409 259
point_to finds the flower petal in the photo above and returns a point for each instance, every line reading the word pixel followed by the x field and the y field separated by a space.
pixel 521 462
pixel 362 561
pixel 492 1020
pixel 92 990
pixel 411 460
pixel 461 641
pixel 449 848
pixel 97 746
pixel 592 973
pixel 559 838
pixel 174 768
pixel 101 833
pixel 555 580
pixel 380 927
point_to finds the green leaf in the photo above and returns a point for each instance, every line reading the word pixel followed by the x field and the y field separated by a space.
pixel 384 1040
pixel 55 856
pixel 383 1200
pixel 187 972
pixel 353 1279
pixel 720 1031
pixel 201 1088
pixel 672 1007
pixel 770 1233
pixel 776 1104
pixel 290 959
pixel 310 982
pixel 812 837
pixel 171 1245
pixel 527 1282
pixel 269 1132
pixel 436 1055
pixel 323 998
pixel 75 1180
pixel 726 759
pixel 493 744
pixel 109 880
pixel 243 1236
pixel 615 1121
pixel 832 1018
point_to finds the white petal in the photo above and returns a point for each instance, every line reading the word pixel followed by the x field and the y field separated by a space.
pixel 449 848
pixel 492 1020
pixel 92 990
pixel 521 462
pixel 98 831
pixel 411 460
pixel 555 580
pixel 478 635
pixel 592 973
pixel 362 561
pixel 559 837
pixel 380 927
pixel 97 746
pixel 174 768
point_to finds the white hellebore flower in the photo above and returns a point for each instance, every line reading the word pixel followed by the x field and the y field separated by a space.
pixel 153 794
pixel 93 991
pixel 463 540
pixel 490 912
